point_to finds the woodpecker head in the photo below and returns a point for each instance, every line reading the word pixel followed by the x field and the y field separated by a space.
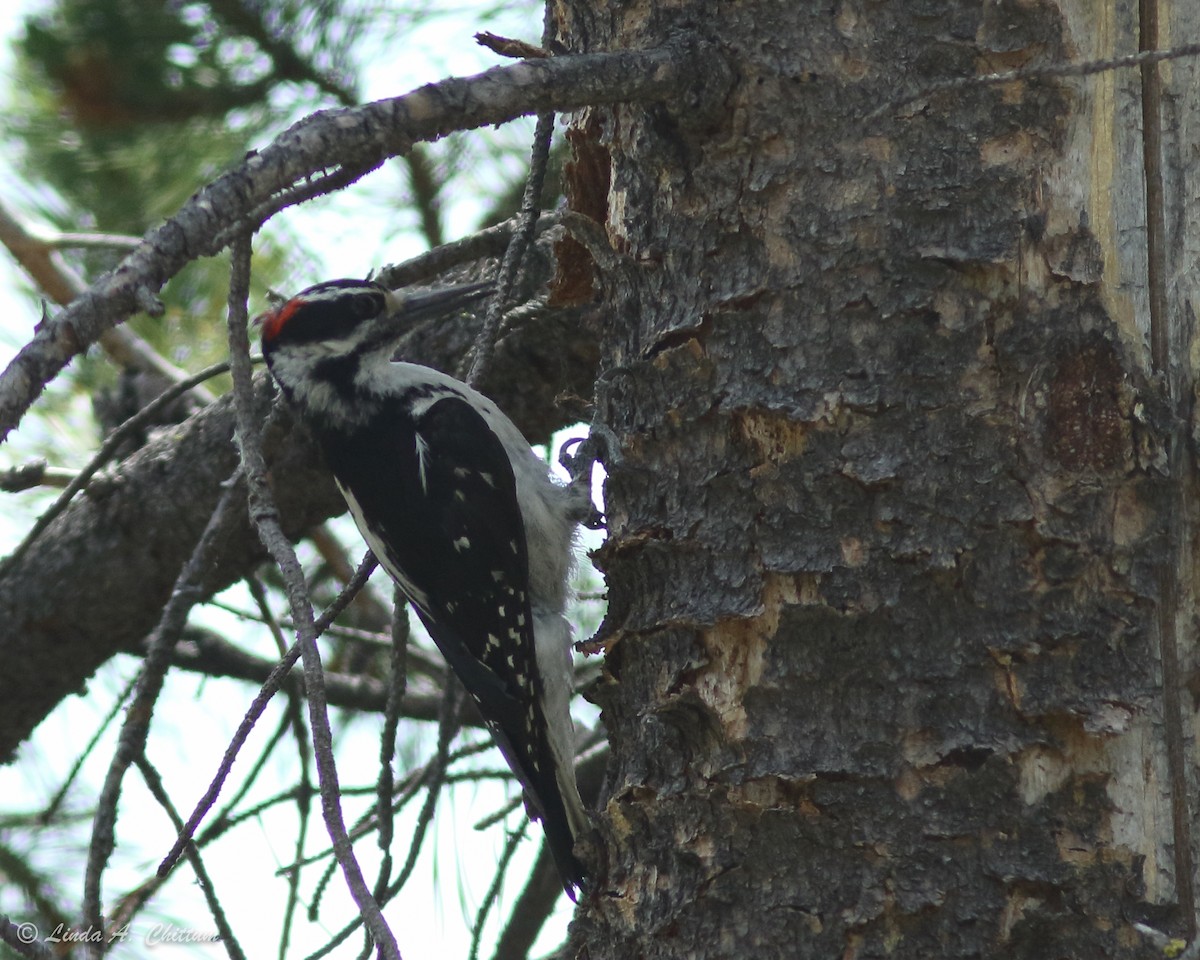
pixel 341 317
pixel 322 342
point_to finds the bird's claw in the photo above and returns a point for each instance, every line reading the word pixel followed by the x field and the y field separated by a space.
pixel 599 446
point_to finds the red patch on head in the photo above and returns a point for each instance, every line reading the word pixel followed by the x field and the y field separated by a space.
pixel 273 320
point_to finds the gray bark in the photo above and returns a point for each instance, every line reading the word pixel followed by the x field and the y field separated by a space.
pixel 902 536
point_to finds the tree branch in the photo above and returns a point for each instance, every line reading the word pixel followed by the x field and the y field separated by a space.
pixel 218 658
pixel 39 258
pixel 265 515
pixel 344 139
pixel 105 568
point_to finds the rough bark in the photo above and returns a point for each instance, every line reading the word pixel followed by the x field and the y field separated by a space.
pixel 898 541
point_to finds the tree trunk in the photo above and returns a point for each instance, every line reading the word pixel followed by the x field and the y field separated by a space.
pixel 900 550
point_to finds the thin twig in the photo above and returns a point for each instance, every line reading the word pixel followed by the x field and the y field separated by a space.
pixel 225 814
pixel 419 661
pixel 410 786
pixel 333 553
pixel 61 284
pixel 592 236
pixel 494 818
pixel 304 794
pixel 36 473
pixel 22 938
pixel 433 778
pixel 86 241
pixel 268 690
pixel 426 185
pixel 214 657
pixel 136 727
pixel 318 186
pixel 531 909
pixel 510 47
pixel 223 822
pixel 520 315
pixel 397 683
pixel 154 783
pixel 493 892
pixel 259 595
pixel 1047 72
pixel 514 257
pixel 265 516
pixel 56 801
pixel 490 242
pixel 318 894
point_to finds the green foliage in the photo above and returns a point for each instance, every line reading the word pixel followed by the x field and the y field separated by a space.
pixel 124 107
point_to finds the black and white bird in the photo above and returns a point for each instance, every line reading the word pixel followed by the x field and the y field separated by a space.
pixel 460 512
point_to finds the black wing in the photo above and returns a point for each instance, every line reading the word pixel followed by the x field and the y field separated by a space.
pixel 437 504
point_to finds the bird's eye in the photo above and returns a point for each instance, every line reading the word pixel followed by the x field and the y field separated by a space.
pixel 365 305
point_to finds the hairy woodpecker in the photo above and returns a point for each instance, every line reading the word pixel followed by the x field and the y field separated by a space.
pixel 460 512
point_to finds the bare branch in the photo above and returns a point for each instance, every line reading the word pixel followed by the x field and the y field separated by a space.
pixel 343 139
pixel 397 688
pixel 87 241
pixel 39 258
pixel 305 791
pixel 154 783
pixel 17 936
pixel 490 242
pixel 52 808
pixel 433 778
pixel 1044 72
pixel 265 515
pixel 531 910
pixel 36 473
pixel 137 720
pixel 217 658
pixel 493 892
pixel 106 452
pixel 509 47
pixel 514 257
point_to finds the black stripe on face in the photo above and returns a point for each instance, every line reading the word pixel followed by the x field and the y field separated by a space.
pixel 328 311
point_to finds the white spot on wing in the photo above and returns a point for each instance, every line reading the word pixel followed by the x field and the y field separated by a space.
pixel 422 460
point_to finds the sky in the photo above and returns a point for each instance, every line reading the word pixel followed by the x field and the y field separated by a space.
pixel 432 919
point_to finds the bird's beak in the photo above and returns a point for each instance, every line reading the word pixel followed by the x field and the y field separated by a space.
pixel 411 306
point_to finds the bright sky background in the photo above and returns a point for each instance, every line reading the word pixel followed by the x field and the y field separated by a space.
pixel 432 919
